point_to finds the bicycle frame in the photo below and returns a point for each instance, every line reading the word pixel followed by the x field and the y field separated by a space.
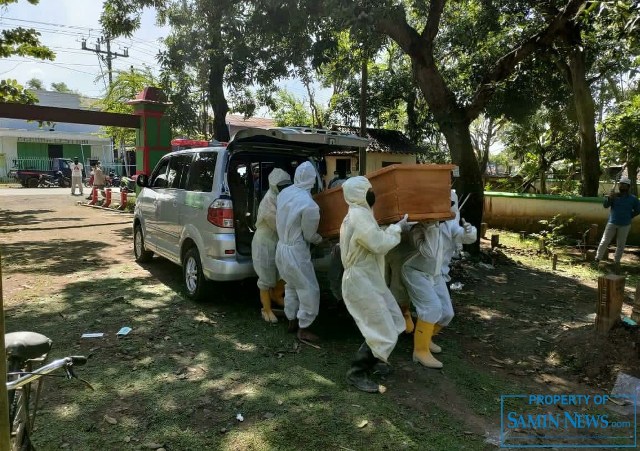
pixel 23 418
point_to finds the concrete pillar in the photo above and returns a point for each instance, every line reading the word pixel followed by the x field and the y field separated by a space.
pixel 153 138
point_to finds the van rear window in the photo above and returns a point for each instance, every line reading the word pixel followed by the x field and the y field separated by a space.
pixel 201 172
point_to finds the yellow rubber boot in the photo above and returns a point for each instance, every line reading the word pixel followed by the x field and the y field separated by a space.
pixel 408 320
pixel 421 342
pixel 277 293
pixel 267 313
pixel 434 348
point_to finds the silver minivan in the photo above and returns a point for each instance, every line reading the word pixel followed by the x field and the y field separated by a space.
pixel 198 207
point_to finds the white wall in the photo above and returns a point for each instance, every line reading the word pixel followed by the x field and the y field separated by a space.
pixel 374 162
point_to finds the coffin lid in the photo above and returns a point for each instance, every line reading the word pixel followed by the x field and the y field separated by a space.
pixel 307 141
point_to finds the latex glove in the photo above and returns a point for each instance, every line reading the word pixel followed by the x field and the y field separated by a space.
pixel 468 228
pixel 404 223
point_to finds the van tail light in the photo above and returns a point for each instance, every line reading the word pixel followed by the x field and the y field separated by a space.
pixel 221 213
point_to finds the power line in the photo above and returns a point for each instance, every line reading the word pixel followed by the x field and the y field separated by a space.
pixel 60 65
pixel 109 56
pixel 75 27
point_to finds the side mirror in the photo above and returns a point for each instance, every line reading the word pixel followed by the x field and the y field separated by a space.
pixel 142 180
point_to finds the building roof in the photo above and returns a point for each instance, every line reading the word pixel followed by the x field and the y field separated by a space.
pixel 240 121
pixel 386 141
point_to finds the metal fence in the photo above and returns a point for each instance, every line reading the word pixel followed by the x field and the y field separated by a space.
pixel 39 164
pixel 46 164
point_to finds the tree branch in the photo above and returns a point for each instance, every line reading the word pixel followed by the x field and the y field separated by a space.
pixel 395 25
pixel 433 21
pixel 505 66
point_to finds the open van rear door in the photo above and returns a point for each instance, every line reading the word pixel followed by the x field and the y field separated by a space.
pixel 302 141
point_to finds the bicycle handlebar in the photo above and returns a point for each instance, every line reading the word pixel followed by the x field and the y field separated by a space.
pixel 65 362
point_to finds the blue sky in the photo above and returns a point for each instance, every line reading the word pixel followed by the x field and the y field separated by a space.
pixel 63 25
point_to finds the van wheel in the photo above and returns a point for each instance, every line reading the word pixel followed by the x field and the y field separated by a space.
pixel 141 254
pixel 194 280
pixel 32 182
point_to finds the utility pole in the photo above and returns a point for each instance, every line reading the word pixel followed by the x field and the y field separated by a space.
pixel 106 56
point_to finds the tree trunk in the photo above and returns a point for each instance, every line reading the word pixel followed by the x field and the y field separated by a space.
pixel 454 125
pixel 470 181
pixel 632 171
pixel 362 164
pixel 543 181
pixel 218 100
pixel 585 112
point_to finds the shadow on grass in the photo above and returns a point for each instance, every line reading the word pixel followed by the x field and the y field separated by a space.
pixel 56 256
pixel 186 370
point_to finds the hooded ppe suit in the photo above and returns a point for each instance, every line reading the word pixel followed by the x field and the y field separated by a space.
pixel 455 235
pixel 265 240
pixel 422 276
pixel 363 245
pixel 297 219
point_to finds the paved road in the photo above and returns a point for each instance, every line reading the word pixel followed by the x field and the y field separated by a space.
pixel 18 192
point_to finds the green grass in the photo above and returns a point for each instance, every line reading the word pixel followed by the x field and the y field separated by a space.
pixel 188 369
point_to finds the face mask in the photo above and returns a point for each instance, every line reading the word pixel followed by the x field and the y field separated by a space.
pixel 371 198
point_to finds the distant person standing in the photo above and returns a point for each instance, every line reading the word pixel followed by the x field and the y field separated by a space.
pixel 76 176
pixel 99 179
pixel 624 207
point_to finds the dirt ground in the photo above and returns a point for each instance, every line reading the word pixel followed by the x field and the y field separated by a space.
pixel 68 269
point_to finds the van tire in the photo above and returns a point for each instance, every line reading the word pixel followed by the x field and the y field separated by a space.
pixel 192 275
pixel 141 254
pixel 32 182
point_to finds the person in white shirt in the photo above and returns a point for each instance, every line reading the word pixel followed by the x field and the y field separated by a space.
pixel 76 176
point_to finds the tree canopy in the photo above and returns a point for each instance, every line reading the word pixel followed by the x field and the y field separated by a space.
pixel 20 42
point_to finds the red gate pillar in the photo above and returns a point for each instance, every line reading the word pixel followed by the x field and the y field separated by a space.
pixel 153 137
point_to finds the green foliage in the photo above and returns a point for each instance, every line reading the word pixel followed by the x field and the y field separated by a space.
pixel 541 140
pixel 35 83
pixel 553 232
pixel 227 45
pixel 61 87
pixel 126 85
pixel 11 91
pixel 20 42
pixel 622 131
pixel 289 111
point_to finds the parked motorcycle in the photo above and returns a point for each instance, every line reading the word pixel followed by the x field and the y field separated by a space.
pixel 57 181
pixel 112 180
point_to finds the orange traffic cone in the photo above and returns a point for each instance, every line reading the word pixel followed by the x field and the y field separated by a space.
pixel 94 196
pixel 107 200
pixel 123 199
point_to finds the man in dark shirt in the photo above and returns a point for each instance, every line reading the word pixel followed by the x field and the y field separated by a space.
pixel 624 207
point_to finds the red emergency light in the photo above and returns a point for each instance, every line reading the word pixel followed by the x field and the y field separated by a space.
pixel 186 143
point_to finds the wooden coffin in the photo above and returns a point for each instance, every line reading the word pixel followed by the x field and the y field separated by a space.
pixel 422 191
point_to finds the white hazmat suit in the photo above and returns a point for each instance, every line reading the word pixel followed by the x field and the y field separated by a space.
pixel 297 219
pixel 363 245
pixel 422 276
pixel 265 240
pixel 455 236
